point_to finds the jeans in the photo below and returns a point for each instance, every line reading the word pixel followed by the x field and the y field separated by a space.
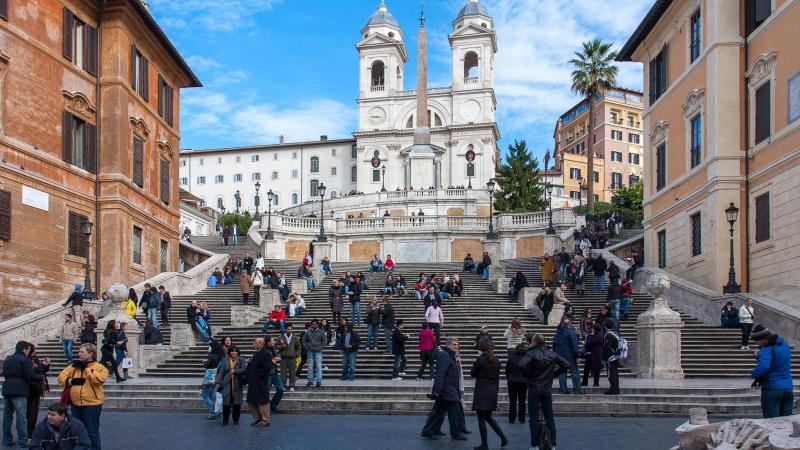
pixel 152 316
pixel 436 327
pixel 626 303
pixel 315 367
pixel 426 358
pixel 326 268
pixel 372 335
pixel 562 272
pixel 517 393
pixel 203 332
pixel 576 378
pixel 355 313
pixel 67 346
pixel 309 282
pixel 349 365
pixel 599 283
pixel 512 293
pixel 119 355
pixel 544 398
pixel 281 324
pixel 387 336
pixel 399 365
pixel 485 273
pixel 469 267
pixel 631 272
pixel 15 405
pixel 374 268
pixel 615 308
pixel 776 402
pixel 613 376
pixel 235 239
pixel 90 416
pixel 276 380
pixel 209 394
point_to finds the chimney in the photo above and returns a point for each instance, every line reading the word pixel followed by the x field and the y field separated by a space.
pixel 324 137
pixel 281 139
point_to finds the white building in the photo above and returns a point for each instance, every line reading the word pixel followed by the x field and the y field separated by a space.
pixel 462 118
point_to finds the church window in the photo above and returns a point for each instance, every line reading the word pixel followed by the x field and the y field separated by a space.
pixel 410 122
pixel 378 73
pixel 294 199
pixel 471 67
pixel 437 120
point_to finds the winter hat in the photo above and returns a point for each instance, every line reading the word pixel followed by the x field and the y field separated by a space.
pixel 78 287
pixel 760 332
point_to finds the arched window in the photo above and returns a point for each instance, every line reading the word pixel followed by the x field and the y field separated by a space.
pixel 471 67
pixel 353 174
pixel 314 186
pixel 294 199
pixel 377 73
pixel 410 122
pixel 314 164
pixel 275 200
pixel 437 120
pixel 333 194
pixel 220 203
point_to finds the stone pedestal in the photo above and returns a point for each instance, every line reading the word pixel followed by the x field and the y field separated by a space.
pixel 322 250
pixel 552 243
pixel 318 275
pixel 658 347
pixel 527 297
pixel 269 298
pixel 555 314
pixel 299 286
pixel 133 331
pixel 273 249
pixel 499 285
pixel 245 316
pixel 495 251
pixel 182 335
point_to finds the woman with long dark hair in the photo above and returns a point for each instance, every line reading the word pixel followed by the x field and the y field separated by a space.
pixel 37 388
pixel 486 371
pixel 110 341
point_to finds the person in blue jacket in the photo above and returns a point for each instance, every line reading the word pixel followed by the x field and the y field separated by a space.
pixel 773 372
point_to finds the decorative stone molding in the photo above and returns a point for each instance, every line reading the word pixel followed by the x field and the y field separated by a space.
pixel 393 146
pixel 660 132
pixel 165 150
pixel 139 127
pixel 694 101
pixel 360 148
pixel 658 348
pixel 780 433
pixel 486 140
pixel 763 68
pixel 79 104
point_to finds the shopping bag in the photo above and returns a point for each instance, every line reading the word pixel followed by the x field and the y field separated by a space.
pixel 218 404
pixel 127 363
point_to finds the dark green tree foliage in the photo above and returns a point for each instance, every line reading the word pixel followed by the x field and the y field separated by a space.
pixel 243 221
pixel 518 186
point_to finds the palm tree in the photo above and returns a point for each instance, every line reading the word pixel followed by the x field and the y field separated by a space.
pixel 594 74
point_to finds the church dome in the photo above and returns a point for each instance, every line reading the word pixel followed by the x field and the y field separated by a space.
pixel 472 8
pixel 382 17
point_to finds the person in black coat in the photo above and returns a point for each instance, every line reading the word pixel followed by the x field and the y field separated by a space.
pixel 399 350
pixel 37 388
pixel 446 393
pixel 593 356
pixel 486 371
pixel 76 300
pixel 258 371
pixel 59 431
pixel 517 384
pixel 19 374
pixel 191 314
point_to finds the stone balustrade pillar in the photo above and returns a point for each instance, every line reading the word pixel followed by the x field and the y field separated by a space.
pixel 299 286
pixel 658 347
pixel 269 298
pixel 245 316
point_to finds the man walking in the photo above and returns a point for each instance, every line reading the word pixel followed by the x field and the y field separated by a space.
pixel 565 344
pixel 258 378
pixel 76 300
pixel 349 342
pixel 599 267
pixel 387 321
pixel 19 375
pixel 446 393
pixel 314 343
pixel 235 234
pixel 166 305
pixel 541 365
pixel 774 373
pixel 399 350
pixel 247 264
pixel 610 347
pixel 69 334
pixel 274 376
pixel 290 348
pixel 154 306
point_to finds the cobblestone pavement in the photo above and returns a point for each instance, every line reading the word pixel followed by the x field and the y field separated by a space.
pixel 159 430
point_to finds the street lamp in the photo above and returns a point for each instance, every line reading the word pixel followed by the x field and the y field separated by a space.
pixel 549 188
pixel 321 190
pixel 383 178
pixel 580 191
pixel 86 229
pixel 622 210
pixel 732 213
pixel 257 200
pixel 238 198
pixel 270 196
pixel 490 188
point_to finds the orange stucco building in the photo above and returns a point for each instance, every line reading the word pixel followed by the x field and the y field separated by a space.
pixel 89 95
pixel 722 121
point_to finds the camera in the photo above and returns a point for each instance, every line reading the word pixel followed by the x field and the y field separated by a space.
pixel 78 381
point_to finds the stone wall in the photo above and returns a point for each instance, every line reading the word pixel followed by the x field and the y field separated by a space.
pixel 455 211
pixel 364 250
pixel 530 246
pixel 460 247
pixel 296 249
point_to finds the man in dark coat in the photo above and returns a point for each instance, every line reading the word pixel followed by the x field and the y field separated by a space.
pixel 258 372
pixel 446 393
pixel 76 300
pixel 541 366
pixel 59 431
pixel 19 374
pixel 387 322
pixel 610 345
pixel 247 265
pixel 599 266
pixel 565 344
pixel 191 314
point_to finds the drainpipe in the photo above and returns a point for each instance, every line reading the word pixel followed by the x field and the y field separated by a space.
pixel 746 167
pixel 98 228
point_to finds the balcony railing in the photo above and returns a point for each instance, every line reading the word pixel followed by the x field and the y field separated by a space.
pixel 470 80
pixel 379 88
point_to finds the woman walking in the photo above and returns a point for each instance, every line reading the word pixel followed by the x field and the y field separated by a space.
pixel 373 323
pixel 37 388
pixel 229 384
pixel 85 378
pixel 121 348
pixel 110 339
pixel 426 345
pixel 256 280
pixel 486 371
pixel 515 333
pixel 244 286
pixel 517 384
pixel 593 359
pixel 435 318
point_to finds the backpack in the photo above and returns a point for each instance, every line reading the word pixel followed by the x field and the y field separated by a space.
pixel 621 354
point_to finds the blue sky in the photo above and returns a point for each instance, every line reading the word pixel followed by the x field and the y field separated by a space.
pixel 272 67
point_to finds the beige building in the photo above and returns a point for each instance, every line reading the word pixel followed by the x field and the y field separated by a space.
pixel 723 101
pixel 616 141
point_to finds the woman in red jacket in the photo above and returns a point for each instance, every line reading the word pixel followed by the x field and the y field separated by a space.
pixel 427 342
pixel 627 297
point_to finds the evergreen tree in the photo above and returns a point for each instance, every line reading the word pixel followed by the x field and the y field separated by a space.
pixel 519 189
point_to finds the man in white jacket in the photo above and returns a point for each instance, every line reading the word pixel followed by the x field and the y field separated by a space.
pixel 746 318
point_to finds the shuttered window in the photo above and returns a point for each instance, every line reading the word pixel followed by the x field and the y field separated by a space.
pixel 756 12
pixel 658 75
pixel 79 142
pixel 694 45
pixel 4 9
pixel 140 73
pixel 762 113
pixel 697 233
pixel 5 215
pixel 138 162
pixel 77 244
pixel 163 254
pixel 762 218
pixel 661 166
pixel 136 244
pixel 696 141
pixel 165 100
pixel 662 249
pixel 80 42
pixel 164 182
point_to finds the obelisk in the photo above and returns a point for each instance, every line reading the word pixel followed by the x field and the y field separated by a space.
pixel 422 134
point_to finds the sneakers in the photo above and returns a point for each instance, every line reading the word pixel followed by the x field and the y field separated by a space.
pixel 291 389
pixel 309 384
pixel 397 379
pixel 419 379
pixel 319 384
pixel 403 373
pixel 745 347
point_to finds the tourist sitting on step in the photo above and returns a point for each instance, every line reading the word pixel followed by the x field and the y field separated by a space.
pixel 420 288
pixel 517 283
pixel 729 317
pixel 260 262
pixel 295 305
pixel 515 334
pixel 278 282
pixel 375 264
pixel 635 261
pixel 151 335
pixel 483 335
pixel 401 285
pixel 308 260
pixel 469 263
pixel 325 264
pixel 229 274
pixel 304 273
pixel 388 265
pixel 483 267
pixel 627 297
pixel 432 297
pixel 276 318
pixel 458 286
pixel 389 286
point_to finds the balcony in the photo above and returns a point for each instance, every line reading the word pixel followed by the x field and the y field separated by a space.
pixel 379 88
pixel 470 80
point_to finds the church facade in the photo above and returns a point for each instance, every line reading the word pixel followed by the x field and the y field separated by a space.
pixel 460 128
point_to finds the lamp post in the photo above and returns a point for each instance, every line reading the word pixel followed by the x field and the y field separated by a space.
pixel 580 191
pixel 86 229
pixel 383 178
pixel 257 200
pixel 238 198
pixel 549 188
pixel 622 210
pixel 270 196
pixel 490 188
pixel 732 213
pixel 321 190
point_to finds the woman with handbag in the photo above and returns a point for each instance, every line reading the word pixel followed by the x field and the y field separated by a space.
pixel 216 354
pixel 229 384
pixel 37 388
pixel 109 342
pixel 486 371
pixel 83 389
pixel 121 348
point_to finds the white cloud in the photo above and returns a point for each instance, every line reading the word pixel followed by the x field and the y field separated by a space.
pixel 216 15
pixel 198 62
pixel 247 120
